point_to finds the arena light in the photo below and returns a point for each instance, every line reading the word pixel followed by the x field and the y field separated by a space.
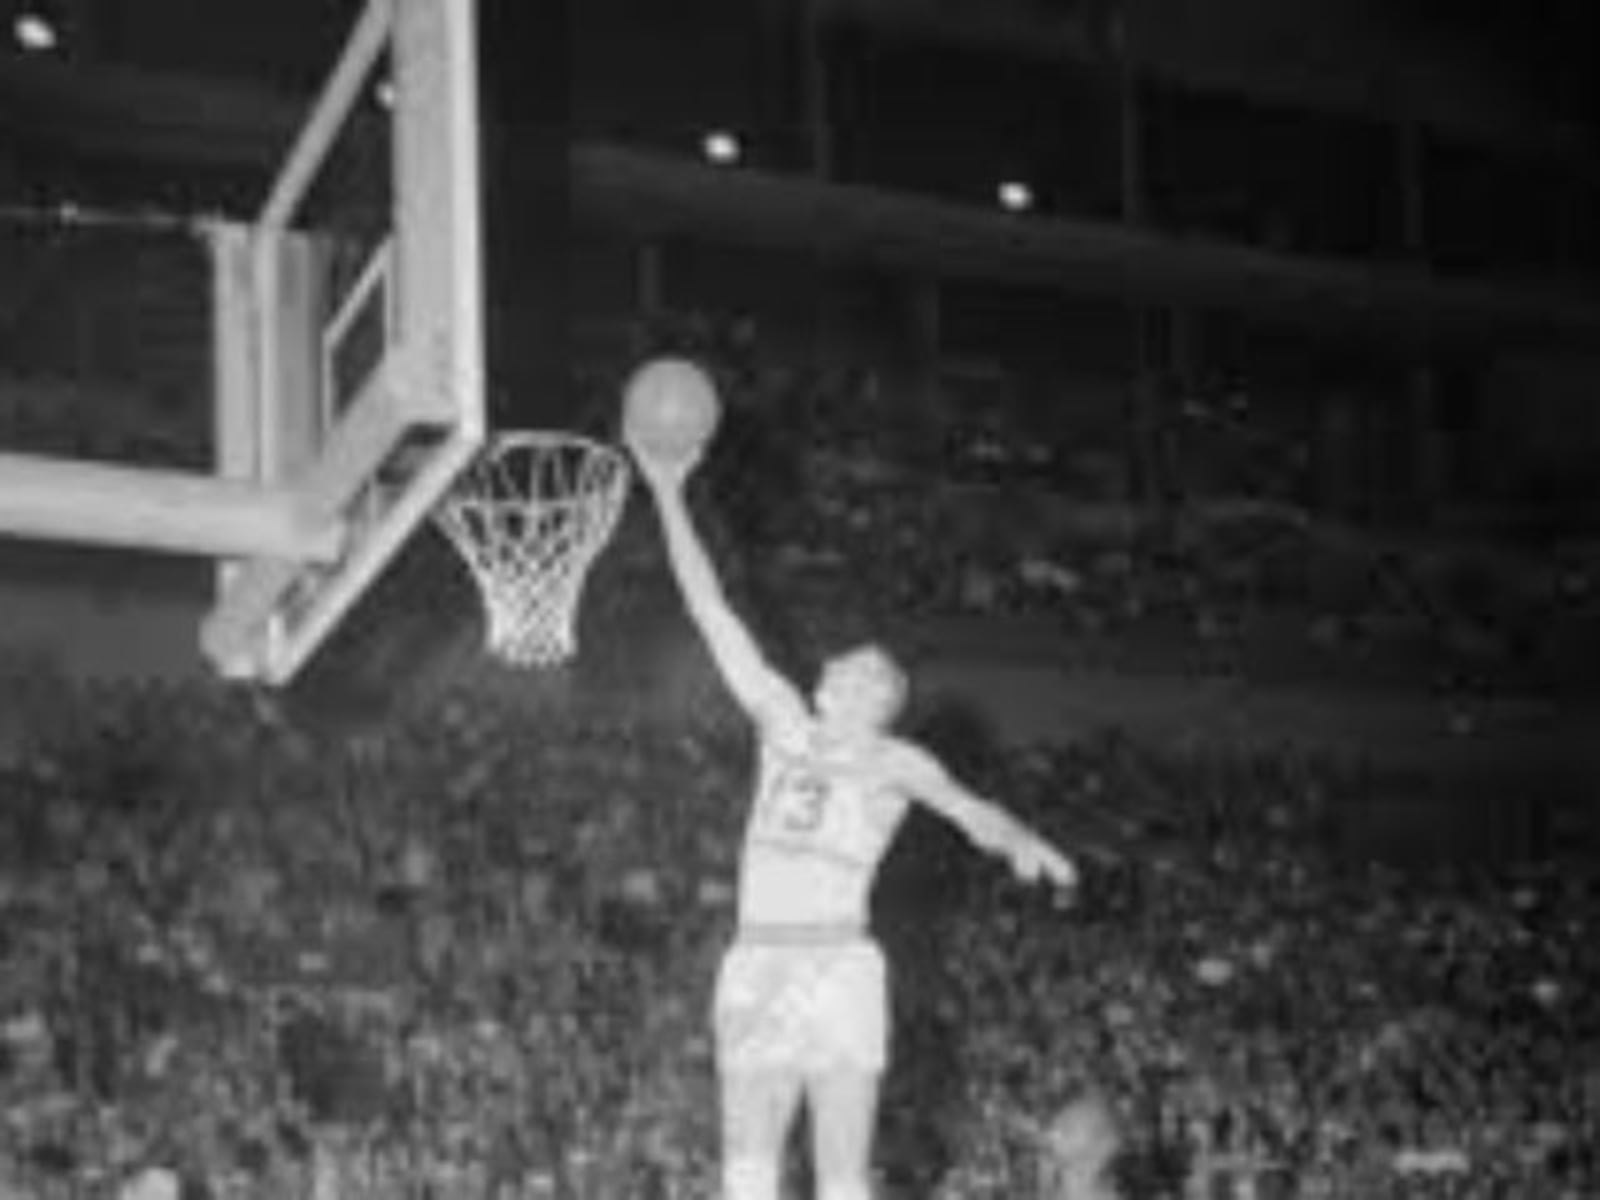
pixel 1015 196
pixel 721 147
pixel 34 32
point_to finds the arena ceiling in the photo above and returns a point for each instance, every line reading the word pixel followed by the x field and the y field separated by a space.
pixel 166 114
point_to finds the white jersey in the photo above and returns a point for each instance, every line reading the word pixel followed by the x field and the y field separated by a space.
pixel 821 823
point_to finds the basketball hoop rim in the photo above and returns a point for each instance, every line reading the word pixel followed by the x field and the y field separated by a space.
pixel 499 441
pixel 597 454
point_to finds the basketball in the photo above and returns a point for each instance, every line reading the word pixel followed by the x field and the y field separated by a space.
pixel 670 410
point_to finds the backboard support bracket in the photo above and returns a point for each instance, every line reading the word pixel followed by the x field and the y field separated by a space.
pixel 147 508
pixel 375 453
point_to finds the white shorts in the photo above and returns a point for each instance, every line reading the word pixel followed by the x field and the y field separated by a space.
pixel 802 1007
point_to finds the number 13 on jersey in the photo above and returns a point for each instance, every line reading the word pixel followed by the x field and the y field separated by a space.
pixel 796 802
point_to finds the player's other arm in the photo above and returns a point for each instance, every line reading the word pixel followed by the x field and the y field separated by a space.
pixel 758 687
pixel 986 824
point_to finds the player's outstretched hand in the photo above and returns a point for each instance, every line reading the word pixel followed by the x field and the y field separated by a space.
pixel 666 476
pixel 1034 860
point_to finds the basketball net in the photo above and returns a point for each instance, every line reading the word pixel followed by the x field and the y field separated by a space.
pixel 528 518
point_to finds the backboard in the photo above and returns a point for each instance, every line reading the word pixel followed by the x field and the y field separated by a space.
pixel 349 333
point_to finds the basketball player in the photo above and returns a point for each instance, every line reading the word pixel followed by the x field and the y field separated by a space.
pixel 801 1006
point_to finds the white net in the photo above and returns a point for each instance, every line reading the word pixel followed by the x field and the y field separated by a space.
pixel 528 518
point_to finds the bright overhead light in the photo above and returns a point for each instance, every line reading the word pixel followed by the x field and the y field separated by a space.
pixel 34 32
pixel 721 147
pixel 1015 196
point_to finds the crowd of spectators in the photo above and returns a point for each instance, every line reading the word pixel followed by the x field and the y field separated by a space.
pixel 469 955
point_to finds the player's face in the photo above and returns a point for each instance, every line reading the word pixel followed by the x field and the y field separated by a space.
pixel 861 690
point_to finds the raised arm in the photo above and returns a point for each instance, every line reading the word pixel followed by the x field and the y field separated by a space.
pixel 986 824
pixel 758 687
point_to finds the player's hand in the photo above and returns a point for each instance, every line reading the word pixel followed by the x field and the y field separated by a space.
pixel 1034 860
pixel 666 478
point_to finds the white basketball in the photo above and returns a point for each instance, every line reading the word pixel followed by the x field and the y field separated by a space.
pixel 670 410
